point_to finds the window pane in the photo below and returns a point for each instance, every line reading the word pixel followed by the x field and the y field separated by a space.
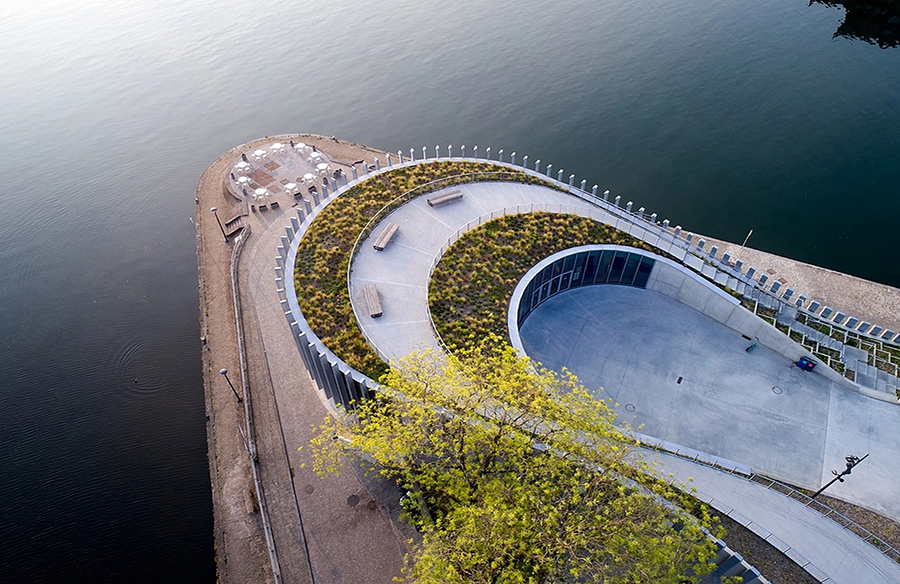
pixel 564 281
pixel 545 289
pixel 591 268
pixel 603 269
pixel 570 261
pixel 618 266
pixel 524 308
pixel 578 271
pixel 631 266
pixel 557 267
pixel 643 273
pixel 554 286
pixel 545 274
pixel 535 298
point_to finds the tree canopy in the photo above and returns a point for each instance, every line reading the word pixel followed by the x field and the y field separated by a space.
pixel 516 474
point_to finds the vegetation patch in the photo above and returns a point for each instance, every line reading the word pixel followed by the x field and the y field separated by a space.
pixel 320 275
pixel 472 285
pixel 493 508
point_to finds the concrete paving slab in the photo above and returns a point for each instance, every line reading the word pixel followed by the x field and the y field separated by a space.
pixel 725 404
pixel 401 271
pixel 754 408
pixel 842 556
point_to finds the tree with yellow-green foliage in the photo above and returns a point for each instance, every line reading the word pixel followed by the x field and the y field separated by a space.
pixel 516 474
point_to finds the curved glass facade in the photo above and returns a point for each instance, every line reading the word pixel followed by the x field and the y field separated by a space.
pixel 584 269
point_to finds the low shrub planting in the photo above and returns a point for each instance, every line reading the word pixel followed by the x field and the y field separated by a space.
pixel 472 285
pixel 320 276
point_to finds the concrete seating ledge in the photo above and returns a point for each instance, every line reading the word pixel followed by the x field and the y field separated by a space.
pixel 382 240
pixel 373 303
pixel 444 198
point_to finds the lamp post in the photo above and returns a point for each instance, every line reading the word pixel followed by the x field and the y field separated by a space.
pixel 224 373
pixel 222 229
pixel 851 462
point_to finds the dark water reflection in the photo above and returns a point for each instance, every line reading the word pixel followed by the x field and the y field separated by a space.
pixel 874 21
pixel 721 117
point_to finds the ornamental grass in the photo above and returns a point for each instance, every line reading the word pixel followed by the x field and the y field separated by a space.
pixel 472 285
pixel 323 255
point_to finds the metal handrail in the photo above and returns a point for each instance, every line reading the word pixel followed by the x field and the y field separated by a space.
pixel 788 491
pixel 396 202
pixel 505 211
pixel 637 220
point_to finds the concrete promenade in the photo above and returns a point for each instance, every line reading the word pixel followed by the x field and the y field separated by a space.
pixel 848 420
pixel 345 529
pixel 839 554
pixel 754 408
pixel 333 530
pixel 348 529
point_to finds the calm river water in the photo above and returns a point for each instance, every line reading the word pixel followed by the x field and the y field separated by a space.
pixel 720 116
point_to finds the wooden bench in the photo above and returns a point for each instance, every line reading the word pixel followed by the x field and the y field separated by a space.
pixel 382 240
pixel 444 198
pixel 370 293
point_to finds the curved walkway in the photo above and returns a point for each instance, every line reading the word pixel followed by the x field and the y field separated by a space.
pixel 335 529
pixel 755 408
pixel 402 270
pixel 401 273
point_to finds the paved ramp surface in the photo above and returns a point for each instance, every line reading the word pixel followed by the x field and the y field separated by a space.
pixel 725 404
pixel 754 408
pixel 839 554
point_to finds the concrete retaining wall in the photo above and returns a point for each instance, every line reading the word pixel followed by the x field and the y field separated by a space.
pixel 341 383
pixel 689 288
pixel 674 281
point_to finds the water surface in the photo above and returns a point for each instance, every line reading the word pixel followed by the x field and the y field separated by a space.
pixel 720 116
